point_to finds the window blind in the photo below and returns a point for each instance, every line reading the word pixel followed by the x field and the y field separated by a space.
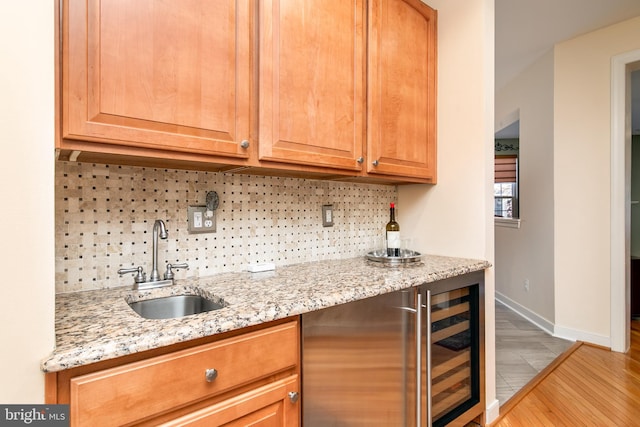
pixel 506 169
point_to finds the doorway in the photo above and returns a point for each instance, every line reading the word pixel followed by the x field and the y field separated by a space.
pixel 635 194
pixel 621 68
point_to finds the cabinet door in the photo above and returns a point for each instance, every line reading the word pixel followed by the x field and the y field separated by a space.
pixel 401 129
pixel 171 75
pixel 267 406
pixel 312 82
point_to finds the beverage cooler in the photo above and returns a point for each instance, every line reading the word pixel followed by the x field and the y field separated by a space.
pixel 452 383
pixel 390 361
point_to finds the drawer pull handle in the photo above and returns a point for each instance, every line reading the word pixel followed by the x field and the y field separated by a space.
pixel 294 396
pixel 210 375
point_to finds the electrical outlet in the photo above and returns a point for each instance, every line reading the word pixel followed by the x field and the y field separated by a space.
pixel 327 215
pixel 200 220
pixel 526 285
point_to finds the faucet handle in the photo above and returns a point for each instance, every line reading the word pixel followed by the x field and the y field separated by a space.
pixel 140 277
pixel 168 275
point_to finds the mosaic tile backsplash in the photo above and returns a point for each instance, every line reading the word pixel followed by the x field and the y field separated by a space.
pixel 105 216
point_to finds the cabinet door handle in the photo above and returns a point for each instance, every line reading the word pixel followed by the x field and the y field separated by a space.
pixel 244 144
pixel 210 375
pixel 376 163
pixel 360 160
pixel 294 396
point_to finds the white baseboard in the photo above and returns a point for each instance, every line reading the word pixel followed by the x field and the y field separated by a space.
pixel 492 412
pixel 523 311
pixel 550 327
pixel 577 335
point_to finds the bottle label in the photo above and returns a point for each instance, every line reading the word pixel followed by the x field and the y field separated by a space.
pixel 393 239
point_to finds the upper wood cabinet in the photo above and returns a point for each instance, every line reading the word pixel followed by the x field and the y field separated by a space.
pixel 312 80
pixel 312 105
pixel 344 89
pixel 173 75
pixel 401 89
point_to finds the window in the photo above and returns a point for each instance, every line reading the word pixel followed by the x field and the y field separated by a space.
pixel 505 187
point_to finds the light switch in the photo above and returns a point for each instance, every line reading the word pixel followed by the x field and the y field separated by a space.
pixel 197 219
pixel 327 215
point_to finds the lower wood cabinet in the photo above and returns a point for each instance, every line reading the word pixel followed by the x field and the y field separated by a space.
pixel 271 405
pixel 234 381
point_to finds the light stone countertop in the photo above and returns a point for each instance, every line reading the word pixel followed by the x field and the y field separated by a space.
pixel 92 326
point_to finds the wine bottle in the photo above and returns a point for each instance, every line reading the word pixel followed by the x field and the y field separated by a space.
pixel 393 233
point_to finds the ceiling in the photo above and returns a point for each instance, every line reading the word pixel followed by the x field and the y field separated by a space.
pixel 527 29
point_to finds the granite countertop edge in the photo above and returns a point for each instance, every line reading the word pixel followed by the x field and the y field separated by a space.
pixel 97 325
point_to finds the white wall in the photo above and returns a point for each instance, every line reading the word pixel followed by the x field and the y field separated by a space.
pixel 27 214
pixel 455 217
pixel 527 253
pixel 582 188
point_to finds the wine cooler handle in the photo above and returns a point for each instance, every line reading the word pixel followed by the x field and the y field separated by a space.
pixel 428 372
pixel 419 359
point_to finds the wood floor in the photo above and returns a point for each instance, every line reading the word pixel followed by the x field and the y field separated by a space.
pixel 586 386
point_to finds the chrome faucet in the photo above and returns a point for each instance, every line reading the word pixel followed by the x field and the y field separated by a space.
pixel 155 275
pixel 140 278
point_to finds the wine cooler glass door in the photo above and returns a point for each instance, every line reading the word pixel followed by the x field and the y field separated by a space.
pixel 454 354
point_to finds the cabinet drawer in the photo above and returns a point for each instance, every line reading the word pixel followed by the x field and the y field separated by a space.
pixel 269 405
pixel 138 390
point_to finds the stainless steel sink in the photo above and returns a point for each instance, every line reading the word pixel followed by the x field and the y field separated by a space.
pixel 175 306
